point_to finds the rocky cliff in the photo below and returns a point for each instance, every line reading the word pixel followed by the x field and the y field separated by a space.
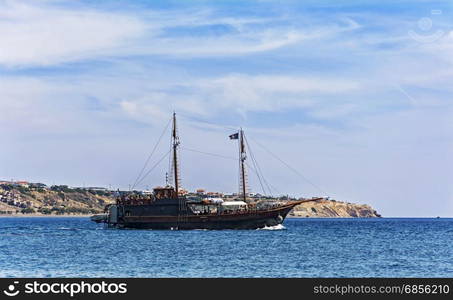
pixel 333 209
pixel 59 200
pixel 62 200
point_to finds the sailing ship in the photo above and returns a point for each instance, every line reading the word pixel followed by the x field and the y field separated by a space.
pixel 167 208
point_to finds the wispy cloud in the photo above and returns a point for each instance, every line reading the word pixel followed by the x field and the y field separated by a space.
pixel 43 35
pixel 40 34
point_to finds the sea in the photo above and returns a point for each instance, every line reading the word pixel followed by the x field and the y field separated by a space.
pixel 77 247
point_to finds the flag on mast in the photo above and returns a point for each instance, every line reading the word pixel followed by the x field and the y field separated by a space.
pixel 234 136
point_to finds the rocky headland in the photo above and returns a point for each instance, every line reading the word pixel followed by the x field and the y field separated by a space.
pixel 38 199
pixel 333 209
pixel 55 200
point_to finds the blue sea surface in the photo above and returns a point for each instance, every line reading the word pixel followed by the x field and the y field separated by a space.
pixel 77 247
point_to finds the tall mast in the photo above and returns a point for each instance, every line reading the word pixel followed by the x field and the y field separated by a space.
pixel 242 157
pixel 175 143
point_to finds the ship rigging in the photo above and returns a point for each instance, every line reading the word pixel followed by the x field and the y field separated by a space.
pixel 169 208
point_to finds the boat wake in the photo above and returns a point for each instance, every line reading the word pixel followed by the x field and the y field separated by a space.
pixel 276 227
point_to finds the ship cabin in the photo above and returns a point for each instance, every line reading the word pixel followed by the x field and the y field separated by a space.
pixel 167 192
pixel 140 198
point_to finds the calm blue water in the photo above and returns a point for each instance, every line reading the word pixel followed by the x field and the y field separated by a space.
pixel 76 247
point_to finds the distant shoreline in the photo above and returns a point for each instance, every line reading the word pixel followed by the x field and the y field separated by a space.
pixel 289 217
pixel 42 215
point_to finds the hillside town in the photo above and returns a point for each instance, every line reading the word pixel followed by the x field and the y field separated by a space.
pixel 21 198
pixel 27 197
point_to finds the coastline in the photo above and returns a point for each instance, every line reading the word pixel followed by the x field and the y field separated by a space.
pixel 43 215
pixel 87 216
pixel 288 217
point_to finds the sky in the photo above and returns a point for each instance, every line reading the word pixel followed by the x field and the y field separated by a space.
pixel 355 96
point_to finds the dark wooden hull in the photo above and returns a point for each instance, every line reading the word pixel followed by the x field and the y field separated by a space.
pixel 238 220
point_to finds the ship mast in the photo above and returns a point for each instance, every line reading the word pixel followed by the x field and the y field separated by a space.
pixel 175 144
pixel 242 157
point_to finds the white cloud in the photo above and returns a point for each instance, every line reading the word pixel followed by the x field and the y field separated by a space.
pixel 237 93
pixel 270 93
pixel 43 35
pixel 286 84
pixel 234 44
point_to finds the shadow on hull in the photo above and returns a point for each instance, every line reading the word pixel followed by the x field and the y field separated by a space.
pixel 244 220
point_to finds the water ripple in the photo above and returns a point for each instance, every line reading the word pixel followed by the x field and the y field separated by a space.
pixel 76 247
